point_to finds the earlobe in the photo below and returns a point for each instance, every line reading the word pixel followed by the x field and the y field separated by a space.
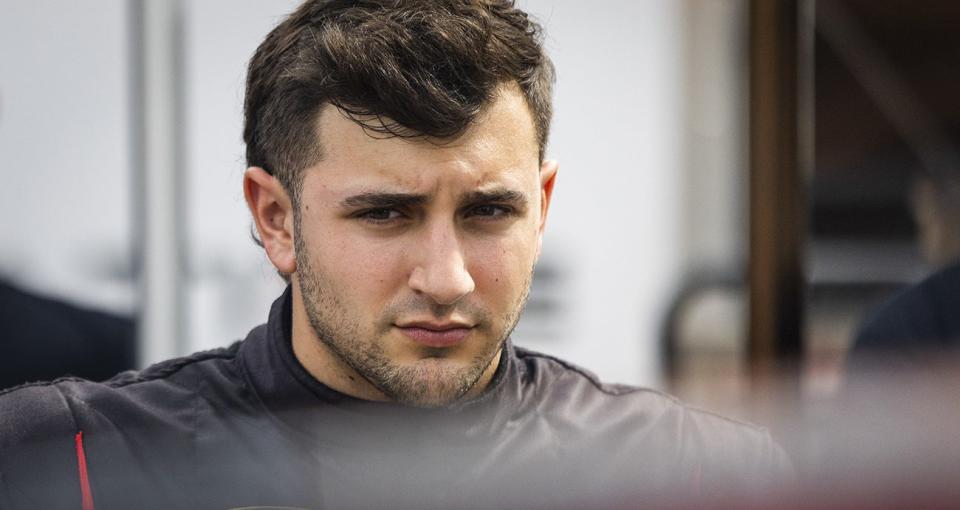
pixel 272 213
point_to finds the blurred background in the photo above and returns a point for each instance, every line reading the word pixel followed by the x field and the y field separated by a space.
pixel 744 187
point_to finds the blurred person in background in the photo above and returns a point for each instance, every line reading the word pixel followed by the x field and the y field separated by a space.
pixel 922 319
pixel 397 181
pixel 890 440
pixel 46 338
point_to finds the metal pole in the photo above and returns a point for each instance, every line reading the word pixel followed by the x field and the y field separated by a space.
pixel 158 156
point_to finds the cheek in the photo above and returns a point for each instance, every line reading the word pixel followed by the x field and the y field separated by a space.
pixel 364 274
pixel 501 269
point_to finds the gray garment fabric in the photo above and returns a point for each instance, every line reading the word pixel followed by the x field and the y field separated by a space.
pixel 247 426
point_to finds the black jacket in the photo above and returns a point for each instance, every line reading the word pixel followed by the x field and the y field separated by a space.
pixel 921 318
pixel 247 426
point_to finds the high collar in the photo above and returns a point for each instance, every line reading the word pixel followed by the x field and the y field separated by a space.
pixel 309 407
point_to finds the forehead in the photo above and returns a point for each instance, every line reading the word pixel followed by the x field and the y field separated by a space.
pixel 500 142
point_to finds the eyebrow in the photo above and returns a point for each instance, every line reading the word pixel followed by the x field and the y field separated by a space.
pixel 383 199
pixel 378 199
pixel 502 195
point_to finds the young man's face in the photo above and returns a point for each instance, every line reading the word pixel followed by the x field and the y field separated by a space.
pixel 414 259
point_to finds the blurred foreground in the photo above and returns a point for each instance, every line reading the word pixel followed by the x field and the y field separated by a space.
pixel 886 439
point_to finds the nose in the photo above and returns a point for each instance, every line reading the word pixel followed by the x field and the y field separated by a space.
pixel 441 269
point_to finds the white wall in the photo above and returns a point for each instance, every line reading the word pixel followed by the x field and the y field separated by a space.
pixel 616 135
pixel 64 179
pixel 232 283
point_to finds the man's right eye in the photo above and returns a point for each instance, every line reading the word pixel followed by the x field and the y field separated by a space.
pixel 380 215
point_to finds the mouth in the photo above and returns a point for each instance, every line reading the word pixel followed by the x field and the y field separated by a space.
pixel 435 334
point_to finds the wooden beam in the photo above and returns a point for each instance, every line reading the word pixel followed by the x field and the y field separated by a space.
pixel 777 198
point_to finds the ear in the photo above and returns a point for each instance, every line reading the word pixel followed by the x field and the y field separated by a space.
pixel 272 213
pixel 548 176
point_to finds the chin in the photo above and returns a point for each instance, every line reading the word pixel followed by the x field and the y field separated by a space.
pixel 433 382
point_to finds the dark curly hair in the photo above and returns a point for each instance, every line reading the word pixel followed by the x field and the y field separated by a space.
pixel 406 68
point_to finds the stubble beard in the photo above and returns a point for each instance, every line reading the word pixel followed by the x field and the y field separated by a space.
pixel 427 383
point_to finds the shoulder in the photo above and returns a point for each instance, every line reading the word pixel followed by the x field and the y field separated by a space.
pixel 559 379
pixel 130 425
pixel 175 374
pixel 34 410
pixel 34 407
pixel 905 317
pixel 637 419
pixel 919 316
pixel 37 430
pixel 555 379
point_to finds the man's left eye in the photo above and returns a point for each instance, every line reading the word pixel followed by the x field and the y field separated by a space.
pixel 489 211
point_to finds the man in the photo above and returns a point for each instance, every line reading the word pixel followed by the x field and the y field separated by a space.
pixel 397 180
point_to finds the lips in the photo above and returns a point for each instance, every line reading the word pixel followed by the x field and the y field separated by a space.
pixel 436 335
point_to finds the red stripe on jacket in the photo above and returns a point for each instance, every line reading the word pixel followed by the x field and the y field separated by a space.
pixel 85 493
